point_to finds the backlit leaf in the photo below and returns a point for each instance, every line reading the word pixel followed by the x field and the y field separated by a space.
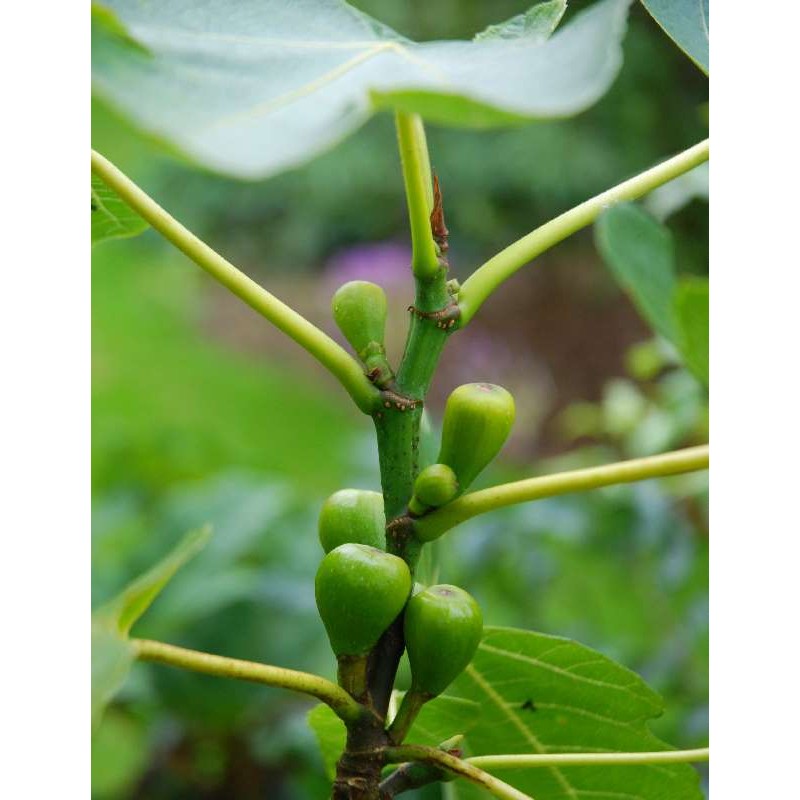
pixel 255 86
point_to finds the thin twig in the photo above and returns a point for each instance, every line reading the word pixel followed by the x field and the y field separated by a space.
pixel 330 354
pixel 455 766
pixel 480 285
pixel 337 698
pixel 470 505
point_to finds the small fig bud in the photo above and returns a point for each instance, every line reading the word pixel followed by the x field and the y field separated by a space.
pixel 352 516
pixel 359 308
pixel 443 626
pixel 360 591
pixel 435 486
pixel 477 420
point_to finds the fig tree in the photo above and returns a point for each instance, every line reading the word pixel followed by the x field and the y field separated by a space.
pixel 352 516
pixel 477 420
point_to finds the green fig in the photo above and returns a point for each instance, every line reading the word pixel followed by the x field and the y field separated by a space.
pixel 477 420
pixel 359 309
pixel 435 486
pixel 352 516
pixel 360 591
pixel 443 626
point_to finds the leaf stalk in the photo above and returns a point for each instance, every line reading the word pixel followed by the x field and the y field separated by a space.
pixel 330 354
pixel 433 525
pixel 498 269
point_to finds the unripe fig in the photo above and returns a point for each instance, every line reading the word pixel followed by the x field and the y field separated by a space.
pixel 360 591
pixel 443 626
pixel 435 486
pixel 359 308
pixel 352 516
pixel 477 420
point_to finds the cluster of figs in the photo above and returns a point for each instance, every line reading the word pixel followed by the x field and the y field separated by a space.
pixel 361 589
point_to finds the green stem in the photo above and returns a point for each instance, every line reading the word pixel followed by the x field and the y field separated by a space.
pixel 455 766
pixel 470 505
pixel 419 192
pixel 477 288
pixel 406 714
pixel 328 692
pixel 331 355
pixel 529 761
pixel 397 429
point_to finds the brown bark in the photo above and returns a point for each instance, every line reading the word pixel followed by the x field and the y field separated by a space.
pixel 358 772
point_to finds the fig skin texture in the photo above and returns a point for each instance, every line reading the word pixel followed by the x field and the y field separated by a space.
pixel 360 591
pixel 477 420
pixel 443 626
pixel 359 309
pixel 352 516
pixel 435 486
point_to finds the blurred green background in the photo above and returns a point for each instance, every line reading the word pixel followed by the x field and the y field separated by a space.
pixel 202 413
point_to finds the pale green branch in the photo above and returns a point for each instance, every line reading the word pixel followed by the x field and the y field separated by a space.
pixel 331 355
pixel 419 192
pixel 470 505
pixel 337 698
pixel 477 288
pixel 530 761
pixel 455 766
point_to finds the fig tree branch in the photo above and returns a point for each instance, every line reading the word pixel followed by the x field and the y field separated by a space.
pixel 487 278
pixel 331 355
pixel 454 766
pixel 433 525
pixel 328 692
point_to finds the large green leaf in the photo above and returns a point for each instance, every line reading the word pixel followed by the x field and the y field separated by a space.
pixel 440 719
pixel 691 308
pixel 686 23
pixel 545 694
pixel 255 86
pixel 639 252
pixel 112 654
pixel 111 217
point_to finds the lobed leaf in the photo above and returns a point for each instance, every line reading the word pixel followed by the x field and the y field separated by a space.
pixel 111 217
pixel 686 23
pixel 546 694
pixel 257 86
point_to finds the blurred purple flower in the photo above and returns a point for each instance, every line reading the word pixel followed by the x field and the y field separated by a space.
pixel 386 263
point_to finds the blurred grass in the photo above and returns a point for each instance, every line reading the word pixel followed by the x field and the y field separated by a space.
pixel 171 404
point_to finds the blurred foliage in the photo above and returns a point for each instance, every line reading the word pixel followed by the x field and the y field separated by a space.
pixel 188 429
